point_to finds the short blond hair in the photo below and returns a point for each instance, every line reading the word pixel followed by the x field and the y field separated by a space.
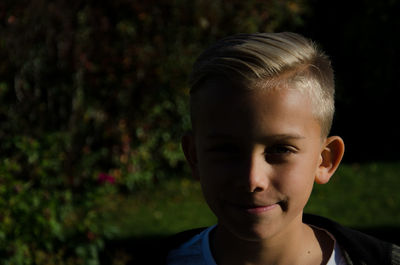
pixel 271 60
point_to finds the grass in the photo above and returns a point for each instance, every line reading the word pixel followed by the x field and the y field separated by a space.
pixel 172 206
pixel 360 195
pixel 363 196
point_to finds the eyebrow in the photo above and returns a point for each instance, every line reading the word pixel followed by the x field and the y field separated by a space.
pixel 293 136
pixel 274 137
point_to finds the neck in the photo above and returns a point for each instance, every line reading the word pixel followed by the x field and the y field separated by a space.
pixel 297 245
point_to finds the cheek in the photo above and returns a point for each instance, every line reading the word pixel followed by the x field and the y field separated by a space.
pixel 296 180
pixel 211 176
pixel 217 179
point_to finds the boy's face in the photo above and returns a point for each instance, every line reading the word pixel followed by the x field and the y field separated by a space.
pixel 257 154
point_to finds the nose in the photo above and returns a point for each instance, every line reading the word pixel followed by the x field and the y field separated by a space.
pixel 256 174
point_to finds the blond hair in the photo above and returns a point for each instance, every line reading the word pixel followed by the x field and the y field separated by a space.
pixel 271 60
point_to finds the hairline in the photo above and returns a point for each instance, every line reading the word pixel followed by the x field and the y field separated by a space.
pixel 269 60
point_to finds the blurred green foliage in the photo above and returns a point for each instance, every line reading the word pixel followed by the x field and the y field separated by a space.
pixel 93 103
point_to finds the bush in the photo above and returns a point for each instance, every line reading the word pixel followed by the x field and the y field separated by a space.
pixel 43 218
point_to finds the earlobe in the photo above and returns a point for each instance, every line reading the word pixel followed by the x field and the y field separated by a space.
pixel 331 155
pixel 189 149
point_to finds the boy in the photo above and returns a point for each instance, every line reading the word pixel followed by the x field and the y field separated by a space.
pixel 261 107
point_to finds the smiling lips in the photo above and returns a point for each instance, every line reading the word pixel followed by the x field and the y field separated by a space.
pixel 255 208
pixel 260 209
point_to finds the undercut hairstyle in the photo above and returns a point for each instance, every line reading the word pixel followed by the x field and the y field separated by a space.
pixel 270 61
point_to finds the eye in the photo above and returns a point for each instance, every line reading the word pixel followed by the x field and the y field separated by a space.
pixel 224 153
pixel 279 150
pixel 223 148
pixel 279 153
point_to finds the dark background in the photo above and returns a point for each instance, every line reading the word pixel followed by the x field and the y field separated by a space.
pixel 362 39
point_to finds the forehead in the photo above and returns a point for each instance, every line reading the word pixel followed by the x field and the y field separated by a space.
pixel 228 108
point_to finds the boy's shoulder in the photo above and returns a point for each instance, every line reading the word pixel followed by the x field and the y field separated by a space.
pixel 176 240
pixel 357 247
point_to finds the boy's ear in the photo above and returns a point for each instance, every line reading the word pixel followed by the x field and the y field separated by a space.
pixel 189 149
pixel 331 155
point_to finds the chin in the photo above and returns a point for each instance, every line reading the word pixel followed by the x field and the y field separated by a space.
pixel 252 233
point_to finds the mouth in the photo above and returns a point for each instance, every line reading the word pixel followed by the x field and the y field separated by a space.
pixel 256 208
pixel 260 209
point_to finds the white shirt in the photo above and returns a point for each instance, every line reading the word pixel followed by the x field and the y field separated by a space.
pixel 197 251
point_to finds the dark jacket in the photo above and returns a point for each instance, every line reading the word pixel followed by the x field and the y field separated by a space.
pixel 357 248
